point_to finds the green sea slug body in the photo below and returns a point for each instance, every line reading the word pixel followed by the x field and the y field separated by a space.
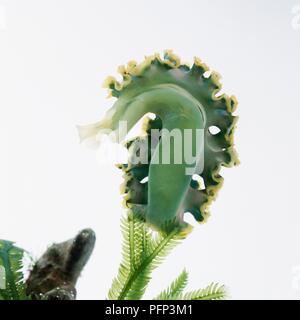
pixel 185 102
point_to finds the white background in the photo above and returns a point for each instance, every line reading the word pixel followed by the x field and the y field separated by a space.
pixel 54 56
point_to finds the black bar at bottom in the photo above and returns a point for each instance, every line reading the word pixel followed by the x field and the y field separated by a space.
pixel 146 310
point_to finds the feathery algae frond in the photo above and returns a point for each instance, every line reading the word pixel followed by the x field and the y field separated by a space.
pixel 12 284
